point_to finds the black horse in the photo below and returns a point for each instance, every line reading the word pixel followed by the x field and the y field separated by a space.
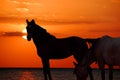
pixel 81 68
pixel 50 47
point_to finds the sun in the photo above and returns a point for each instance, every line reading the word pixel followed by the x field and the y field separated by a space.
pixel 24 36
pixel 24 31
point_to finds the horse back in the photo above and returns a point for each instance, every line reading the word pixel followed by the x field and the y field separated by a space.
pixel 62 47
pixel 108 49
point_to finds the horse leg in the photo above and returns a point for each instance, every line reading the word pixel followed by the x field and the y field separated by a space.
pixel 90 73
pixel 46 69
pixel 110 72
pixel 101 66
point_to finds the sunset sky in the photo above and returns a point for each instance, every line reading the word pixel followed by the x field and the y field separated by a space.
pixel 62 18
pixel 14 12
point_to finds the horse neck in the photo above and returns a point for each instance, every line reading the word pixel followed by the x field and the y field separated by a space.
pixel 41 40
pixel 36 41
pixel 88 59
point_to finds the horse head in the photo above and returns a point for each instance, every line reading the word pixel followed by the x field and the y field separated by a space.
pixel 37 32
pixel 30 29
pixel 80 71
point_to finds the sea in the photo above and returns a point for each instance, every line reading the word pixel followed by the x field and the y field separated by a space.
pixel 57 74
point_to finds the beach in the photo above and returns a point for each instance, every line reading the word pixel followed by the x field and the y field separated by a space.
pixel 57 74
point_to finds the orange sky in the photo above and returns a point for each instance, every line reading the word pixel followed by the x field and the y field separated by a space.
pixel 13 13
pixel 62 18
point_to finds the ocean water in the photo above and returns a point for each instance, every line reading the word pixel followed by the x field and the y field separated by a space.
pixel 57 74
pixel 35 74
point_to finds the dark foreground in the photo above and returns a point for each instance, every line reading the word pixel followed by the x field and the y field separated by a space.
pixel 57 74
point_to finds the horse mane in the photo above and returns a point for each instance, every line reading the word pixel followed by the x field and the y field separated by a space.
pixel 44 34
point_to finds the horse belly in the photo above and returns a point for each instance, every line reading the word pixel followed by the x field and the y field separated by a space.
pixel 117 59
pixel 113 59
pixel 60 55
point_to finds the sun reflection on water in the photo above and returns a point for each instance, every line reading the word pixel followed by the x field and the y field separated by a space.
pixel 27 75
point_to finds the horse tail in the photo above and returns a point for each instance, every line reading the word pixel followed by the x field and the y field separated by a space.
pixel 92 41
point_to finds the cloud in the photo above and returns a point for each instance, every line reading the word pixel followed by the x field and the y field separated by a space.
pixel 115 1
pixel 12 34
pixel 105 30
pixel 73 22
pixel 15 19
pixel 22 9
pixel 14 1
pixel 12 19
pixel 25 2
pixel 30 3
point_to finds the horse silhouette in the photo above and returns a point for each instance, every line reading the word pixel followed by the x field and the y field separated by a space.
pixel 104 50
pixel 107 51
pixel 50 47
pixel 81 68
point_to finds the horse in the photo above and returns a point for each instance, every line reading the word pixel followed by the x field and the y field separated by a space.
pixel 105 50
pixel 80 69
pixel 49 47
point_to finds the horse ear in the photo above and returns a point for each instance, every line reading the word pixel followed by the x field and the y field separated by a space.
pixel 33 22
pixel 27 21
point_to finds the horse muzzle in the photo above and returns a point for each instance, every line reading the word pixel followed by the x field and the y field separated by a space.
pixel 28 38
